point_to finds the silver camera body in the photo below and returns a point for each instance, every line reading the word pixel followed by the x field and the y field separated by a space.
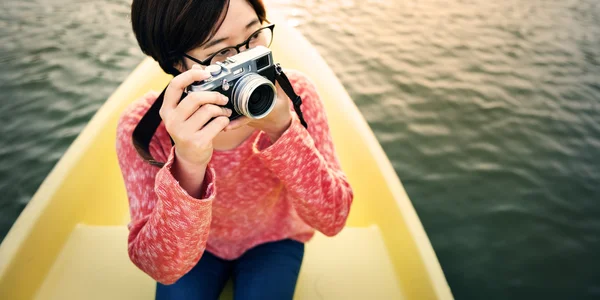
pixel 247 79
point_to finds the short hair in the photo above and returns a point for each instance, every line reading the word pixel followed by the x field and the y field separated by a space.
pixel 166 29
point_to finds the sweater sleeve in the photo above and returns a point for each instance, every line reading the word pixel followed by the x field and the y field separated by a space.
pixel 305 161
pixel 169 228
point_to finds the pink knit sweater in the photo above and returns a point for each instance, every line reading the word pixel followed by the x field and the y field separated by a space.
pixel 256 193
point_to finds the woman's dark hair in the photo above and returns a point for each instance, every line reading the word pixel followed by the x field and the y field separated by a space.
pixel 166 29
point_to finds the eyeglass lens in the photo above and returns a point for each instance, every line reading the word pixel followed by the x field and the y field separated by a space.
pixel 262 37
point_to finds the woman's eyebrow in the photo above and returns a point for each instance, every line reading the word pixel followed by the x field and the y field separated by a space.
pixel 214 42
pixel 252 23
pixel 217 41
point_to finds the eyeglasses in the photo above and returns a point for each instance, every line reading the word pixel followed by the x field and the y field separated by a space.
pixel 261 37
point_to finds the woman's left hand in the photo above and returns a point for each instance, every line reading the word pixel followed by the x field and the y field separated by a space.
pixel 275 123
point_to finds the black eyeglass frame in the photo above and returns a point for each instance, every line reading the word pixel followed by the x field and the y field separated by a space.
pixel 237 47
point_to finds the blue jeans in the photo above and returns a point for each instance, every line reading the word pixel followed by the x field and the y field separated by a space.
pixel 267 271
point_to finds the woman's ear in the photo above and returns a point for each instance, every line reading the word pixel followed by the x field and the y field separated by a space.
pixel 180 66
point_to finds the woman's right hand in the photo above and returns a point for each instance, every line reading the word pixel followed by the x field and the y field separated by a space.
pixel 186 121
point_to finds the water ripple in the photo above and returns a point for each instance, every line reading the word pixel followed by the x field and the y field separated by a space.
pixel 61 60
pixel 490 113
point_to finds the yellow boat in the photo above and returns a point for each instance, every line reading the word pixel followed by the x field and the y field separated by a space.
pixel 70 242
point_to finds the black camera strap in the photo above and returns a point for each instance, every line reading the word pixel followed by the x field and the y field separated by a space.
pixel 145 129
pixel 285 84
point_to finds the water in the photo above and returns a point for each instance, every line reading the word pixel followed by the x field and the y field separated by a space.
pixel 489 112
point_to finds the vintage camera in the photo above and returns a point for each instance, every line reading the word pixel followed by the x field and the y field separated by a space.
pixel 247 79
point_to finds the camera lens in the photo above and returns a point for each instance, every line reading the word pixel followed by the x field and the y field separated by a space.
pixel 261 100
pixel 253 96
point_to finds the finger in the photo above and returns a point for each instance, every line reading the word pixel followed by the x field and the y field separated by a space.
pixel 193 101
pixel 237 123
pixel 204 115
pixel 213 128
pixel 197 66
pixel 179 84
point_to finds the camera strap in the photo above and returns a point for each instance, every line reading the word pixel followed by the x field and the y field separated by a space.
pixel 145 129
pixel 287 87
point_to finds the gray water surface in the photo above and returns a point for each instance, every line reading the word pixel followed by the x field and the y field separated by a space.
pixel 489 112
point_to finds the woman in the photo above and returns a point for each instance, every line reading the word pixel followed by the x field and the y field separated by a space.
pixel 234 198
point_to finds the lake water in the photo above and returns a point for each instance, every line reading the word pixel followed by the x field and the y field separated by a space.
pixel 489 112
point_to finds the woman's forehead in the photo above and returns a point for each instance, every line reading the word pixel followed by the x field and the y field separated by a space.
pixel 239 15
pixel 239 20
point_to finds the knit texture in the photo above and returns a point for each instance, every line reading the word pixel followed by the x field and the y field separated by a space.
pixel 258 192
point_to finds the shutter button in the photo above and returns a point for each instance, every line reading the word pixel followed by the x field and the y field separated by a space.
pixel 214 70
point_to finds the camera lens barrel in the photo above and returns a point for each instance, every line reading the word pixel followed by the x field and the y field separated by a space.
pixel 254 96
